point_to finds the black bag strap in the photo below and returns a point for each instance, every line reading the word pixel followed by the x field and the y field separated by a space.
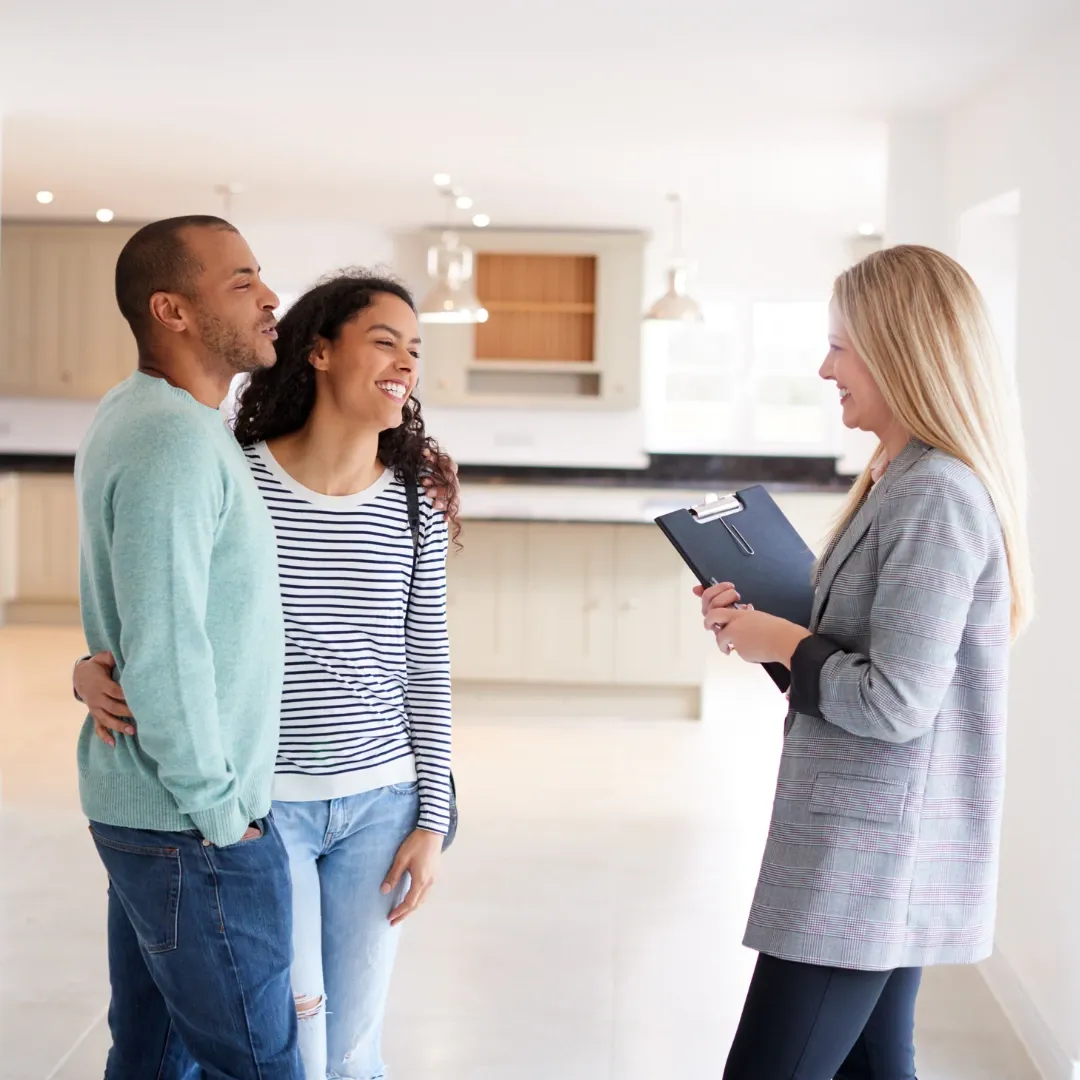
pixel 412 503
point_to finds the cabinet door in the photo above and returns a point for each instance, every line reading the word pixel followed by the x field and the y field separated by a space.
pixel 17 302
pixel 114 355
pixel 659 638
pixel 48 546
pixel 485 609
pixel 568 603
pixel 9 538
pixel 61 334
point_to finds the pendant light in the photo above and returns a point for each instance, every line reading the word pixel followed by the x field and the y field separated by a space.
pixel 676 305
pixel 452 298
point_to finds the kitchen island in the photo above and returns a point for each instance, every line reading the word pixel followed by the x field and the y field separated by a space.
pixel 571 599
pixel 561 598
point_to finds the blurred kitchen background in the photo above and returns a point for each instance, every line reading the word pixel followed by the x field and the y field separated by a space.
pixel 652 207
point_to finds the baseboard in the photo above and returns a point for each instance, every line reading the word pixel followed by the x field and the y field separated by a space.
pixel 43 613
pixel 481 698
pixel 1050 1059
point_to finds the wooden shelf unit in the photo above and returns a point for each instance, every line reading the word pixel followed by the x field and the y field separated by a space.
pixel 541 307
pixel 564 327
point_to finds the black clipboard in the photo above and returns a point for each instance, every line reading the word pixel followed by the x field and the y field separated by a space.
pixel 744 538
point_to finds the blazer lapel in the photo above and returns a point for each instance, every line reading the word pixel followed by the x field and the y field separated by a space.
pixel 838 553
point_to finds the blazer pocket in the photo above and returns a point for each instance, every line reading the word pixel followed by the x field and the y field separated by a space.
pixel 858 797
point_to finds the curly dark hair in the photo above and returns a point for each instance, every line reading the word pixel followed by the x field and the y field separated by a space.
pixel 278 400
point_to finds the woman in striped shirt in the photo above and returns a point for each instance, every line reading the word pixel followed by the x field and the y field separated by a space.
pixel 362 791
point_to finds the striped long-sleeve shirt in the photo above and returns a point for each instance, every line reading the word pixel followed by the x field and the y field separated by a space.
pixel 366 699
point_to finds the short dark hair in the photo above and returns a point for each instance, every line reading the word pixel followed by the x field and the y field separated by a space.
pixel 156 259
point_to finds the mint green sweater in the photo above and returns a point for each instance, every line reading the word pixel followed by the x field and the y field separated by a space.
pixel 179 581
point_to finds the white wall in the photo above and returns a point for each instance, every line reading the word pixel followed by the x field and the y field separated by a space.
pixel 294 256
pixel 915 200
pixel 988 245
pixel 1021 135
pixel 916 212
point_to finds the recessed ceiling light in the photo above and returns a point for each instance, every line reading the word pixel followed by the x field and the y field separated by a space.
pixel 464 202
pixel 441 179
pixel 866 228
pixel 481 221
pixel 104 216
pixel 45 197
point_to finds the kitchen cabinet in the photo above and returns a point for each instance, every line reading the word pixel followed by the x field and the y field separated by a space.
pixel 658 635
pixel 46 577
pixel 9 540
pixel 564 327
pixel 572 604
pixel 569 597
pixel 61 334
pixel 484 602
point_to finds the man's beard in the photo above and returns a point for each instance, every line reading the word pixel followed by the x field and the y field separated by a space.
pixel 228 344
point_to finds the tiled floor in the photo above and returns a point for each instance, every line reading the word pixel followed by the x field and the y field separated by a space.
pixel 586 926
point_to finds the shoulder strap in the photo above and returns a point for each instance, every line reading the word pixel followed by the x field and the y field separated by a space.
pixel 412 502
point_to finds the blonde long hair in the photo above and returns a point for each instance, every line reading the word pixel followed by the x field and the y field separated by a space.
pixel 919 323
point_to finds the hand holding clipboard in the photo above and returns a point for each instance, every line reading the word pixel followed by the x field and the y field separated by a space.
pixel 744 538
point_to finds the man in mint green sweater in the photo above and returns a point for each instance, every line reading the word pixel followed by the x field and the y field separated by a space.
pixel 179 583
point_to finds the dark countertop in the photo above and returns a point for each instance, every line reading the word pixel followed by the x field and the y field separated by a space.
pixel 676 471
pixel 705 472
pixel 37 463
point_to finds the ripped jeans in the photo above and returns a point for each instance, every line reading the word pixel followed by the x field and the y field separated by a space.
pixel 343 945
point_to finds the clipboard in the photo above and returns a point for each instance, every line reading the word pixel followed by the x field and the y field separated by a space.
pixel 744 538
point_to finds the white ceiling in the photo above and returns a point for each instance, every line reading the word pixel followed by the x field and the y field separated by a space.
pixel 576 112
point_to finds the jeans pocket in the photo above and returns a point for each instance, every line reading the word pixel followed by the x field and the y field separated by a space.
pixel 412 787
pixel 262 828
pixel 260 832
pixel 147 882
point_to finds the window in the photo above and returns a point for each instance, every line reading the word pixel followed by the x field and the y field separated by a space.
pixel 693 377
pixel 790 400
pixel 743 382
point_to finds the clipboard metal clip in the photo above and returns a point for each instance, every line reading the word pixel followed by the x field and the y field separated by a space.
pixel 721 507
pixel 716 506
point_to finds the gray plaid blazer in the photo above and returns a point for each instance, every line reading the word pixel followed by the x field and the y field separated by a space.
pixel 883 846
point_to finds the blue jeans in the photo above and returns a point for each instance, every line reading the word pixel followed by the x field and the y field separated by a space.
pixel 340 851
pixel 199 951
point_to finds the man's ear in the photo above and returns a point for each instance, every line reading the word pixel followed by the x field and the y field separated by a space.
pixel 171 311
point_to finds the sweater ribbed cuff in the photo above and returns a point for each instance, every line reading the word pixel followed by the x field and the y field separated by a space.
pixel 222 825
pixel 806 663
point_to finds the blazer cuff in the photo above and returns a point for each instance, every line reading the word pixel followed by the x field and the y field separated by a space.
pixel 806 663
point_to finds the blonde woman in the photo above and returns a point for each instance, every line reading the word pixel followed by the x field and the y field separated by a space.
pixel 882 856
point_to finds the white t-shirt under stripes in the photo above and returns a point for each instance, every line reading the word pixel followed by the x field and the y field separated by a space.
pixel 366 700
